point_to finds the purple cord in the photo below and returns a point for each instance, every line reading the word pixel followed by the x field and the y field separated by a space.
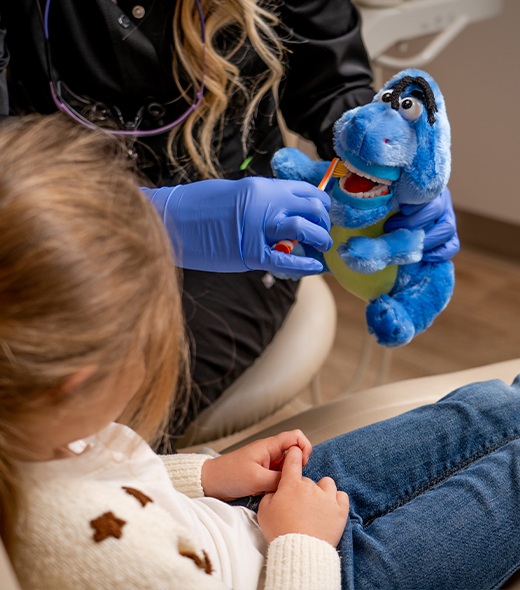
pixel 64 107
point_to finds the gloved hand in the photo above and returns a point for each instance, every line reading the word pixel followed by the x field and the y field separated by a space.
pixel 231 225
pixel 437 219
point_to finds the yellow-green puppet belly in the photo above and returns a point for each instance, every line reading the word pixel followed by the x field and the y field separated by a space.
pixel 364 286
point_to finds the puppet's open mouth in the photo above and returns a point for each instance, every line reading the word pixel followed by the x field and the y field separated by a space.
pixel 362 185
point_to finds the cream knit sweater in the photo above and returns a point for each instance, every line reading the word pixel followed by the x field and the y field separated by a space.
pixel 84 530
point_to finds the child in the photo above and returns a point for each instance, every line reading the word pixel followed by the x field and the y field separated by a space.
pixel 90 321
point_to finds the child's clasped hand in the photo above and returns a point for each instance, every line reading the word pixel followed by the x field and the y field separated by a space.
pixel 302 506
pixel 253 469
pixel 292 503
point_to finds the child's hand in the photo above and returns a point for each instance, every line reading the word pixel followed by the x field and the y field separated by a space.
pixel 301 506
pixel 253 469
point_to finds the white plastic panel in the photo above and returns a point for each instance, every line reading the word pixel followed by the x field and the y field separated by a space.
pixel 383 27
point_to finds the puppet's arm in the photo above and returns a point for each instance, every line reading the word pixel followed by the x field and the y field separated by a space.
pixel 367 255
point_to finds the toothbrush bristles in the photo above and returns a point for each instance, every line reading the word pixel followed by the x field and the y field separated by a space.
pixel 339 170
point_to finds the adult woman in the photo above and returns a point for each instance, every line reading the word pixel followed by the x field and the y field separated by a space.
pixel 198 101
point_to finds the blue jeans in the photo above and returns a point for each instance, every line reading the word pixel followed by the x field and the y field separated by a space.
pixel 434 493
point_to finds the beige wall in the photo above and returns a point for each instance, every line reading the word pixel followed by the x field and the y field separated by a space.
pixel 479 74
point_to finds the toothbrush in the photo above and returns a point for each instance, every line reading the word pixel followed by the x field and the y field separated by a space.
pixel 336 169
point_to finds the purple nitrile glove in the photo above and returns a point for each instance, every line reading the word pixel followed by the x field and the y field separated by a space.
pixel 231 225
pixel 437 219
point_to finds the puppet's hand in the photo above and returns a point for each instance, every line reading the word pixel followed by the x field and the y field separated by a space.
pixel 368 255
pixel 292 164
pixel 437 219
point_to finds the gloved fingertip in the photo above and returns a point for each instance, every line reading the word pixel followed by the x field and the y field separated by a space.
pixel 444 252
pixel 300 266
pixel 406 210
pixel 401 221
pixel 313 267
pixel 324 246
pixel 443 234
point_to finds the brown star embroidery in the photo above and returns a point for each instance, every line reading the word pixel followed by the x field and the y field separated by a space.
pixel 107 525
pixel 143 499
pixel 204 564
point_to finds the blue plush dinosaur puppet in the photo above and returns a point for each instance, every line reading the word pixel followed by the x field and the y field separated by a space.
pixel 396 151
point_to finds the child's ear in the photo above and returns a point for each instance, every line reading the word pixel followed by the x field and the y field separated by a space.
pixel 71 384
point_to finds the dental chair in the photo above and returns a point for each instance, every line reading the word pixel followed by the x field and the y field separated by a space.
pixel 8 579
pixel 360 408
pixel 288 366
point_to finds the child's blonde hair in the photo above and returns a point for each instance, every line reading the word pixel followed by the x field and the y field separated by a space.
pixel 241 23
pixel 87 278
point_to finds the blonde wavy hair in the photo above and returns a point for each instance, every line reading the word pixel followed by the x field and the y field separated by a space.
pixel 87 278
pixel 240 22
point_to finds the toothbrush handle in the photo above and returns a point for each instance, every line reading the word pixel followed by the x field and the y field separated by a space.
pixel 287 246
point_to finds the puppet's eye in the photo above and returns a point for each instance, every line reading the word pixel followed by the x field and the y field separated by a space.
pixel 410 108
pixel 386 97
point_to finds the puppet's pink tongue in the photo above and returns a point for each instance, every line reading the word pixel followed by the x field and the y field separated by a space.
pixel 358 184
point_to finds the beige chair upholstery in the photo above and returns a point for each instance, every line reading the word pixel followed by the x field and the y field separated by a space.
pixel 379 403
pixel 289 364
pixel 8 579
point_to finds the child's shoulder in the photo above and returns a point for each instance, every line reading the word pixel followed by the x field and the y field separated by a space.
pixel 79 514
pixel 73 530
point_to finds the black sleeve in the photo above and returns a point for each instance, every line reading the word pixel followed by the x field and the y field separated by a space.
pixel 4 60
pixel 328 67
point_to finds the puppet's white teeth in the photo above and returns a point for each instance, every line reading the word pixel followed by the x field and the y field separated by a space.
pixel 378 190
pixel 359 172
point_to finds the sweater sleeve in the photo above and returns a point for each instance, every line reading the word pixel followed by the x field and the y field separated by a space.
pixel 185 470
pixel 300 561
